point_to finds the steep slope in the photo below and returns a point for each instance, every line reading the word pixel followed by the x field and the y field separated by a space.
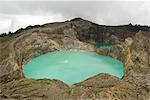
pixel 129 46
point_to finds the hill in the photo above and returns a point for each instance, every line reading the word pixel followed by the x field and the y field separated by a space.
pixel 130 44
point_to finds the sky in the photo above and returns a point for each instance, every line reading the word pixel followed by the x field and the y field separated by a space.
pixel 19 14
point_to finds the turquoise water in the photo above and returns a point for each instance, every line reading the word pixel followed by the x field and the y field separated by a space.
pixel 71 66
pixel 103 44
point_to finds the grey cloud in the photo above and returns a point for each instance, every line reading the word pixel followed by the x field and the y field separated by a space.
pixel 102 12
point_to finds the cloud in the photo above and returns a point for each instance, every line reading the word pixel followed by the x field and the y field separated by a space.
pixel 18 21
pixel 14 21
pixel 4 24
pixel 17 14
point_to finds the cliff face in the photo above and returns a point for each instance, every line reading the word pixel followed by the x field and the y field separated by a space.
pixel 130 46
pixel 138 52
pixel 100 33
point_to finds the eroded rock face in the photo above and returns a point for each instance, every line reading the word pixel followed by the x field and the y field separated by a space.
pixel 138 53
pixel 140 77
pixel 105 87
pixel 141 49
pixel 87 31
pixel 35 89
pixel 99 87
pixel 100 81
pixel 79 34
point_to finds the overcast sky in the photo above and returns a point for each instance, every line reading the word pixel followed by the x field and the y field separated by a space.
pixel 17 14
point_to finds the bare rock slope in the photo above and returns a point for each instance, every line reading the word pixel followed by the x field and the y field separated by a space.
pixel 131 46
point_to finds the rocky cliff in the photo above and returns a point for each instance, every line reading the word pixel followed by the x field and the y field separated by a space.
pixel 131 45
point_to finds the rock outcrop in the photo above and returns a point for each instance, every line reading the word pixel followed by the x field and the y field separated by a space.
pixel 138 52
pixel 26 89
pixel 129 46
pixel 140 77
pixel 105 87
pixel 99 87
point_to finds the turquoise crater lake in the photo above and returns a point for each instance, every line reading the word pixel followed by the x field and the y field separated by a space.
pixel 71 66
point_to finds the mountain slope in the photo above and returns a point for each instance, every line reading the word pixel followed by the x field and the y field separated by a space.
pixel 130 45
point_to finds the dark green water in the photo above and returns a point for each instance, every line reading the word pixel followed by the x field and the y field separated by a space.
pixel 103 44
pixel 71 66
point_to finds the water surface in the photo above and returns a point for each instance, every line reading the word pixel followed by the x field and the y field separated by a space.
pixel 103 44
pixel 71 66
